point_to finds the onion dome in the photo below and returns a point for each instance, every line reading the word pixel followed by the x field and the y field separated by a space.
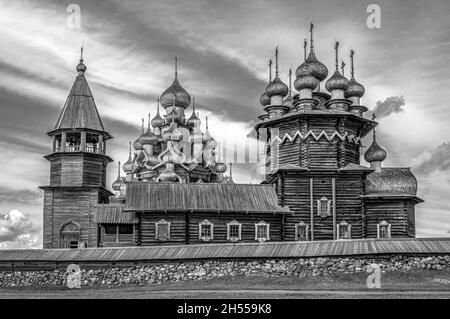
pixel 128 166
pixel 306 82
pixel 118 181
pixel 221 167
pixel 312 66
pixel 375 153
pixel 355 89
pixel 193 121
pixel 148 138
pixel 175 94
pixel 337 82
pixel 316 68
pixel 277 87
pixel 81 67
pixel 207 136
pixel 137 144
pixel 157 121
pixel 264 99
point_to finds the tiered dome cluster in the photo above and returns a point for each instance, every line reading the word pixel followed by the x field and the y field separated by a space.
pixel 308 77
pixel 160 152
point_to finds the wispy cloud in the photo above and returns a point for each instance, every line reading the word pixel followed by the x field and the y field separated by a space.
pixel 391 105
pixel 22 196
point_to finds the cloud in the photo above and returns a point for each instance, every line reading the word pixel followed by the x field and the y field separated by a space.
pixel 18 231
pixel 435 160
pixel 22 196
pixel 393 104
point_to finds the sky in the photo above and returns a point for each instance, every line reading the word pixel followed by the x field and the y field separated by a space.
pixel 223 48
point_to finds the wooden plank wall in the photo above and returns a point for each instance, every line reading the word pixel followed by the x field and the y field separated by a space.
pixel 63 204
pixel 396 212
pixel 178 231
pixel 295 191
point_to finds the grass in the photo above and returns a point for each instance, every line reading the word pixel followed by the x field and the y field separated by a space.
pixel 413 284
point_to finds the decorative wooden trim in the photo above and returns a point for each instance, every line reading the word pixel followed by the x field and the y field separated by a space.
pixel 301 224
pixel 162 222
pixel 205 223
pixel 383 224
pixel 346 136
pixel 234 223
pixel 344 224
pixel 323 201
pixel 262 223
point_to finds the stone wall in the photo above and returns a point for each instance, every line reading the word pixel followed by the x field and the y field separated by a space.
pixel 151 274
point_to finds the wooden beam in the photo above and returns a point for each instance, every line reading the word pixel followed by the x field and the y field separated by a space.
pixel 311 195
pixel 333 186
pixel 83 141
pixel 63 142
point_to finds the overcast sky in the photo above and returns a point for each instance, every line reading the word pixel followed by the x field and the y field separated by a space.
pixel 223 48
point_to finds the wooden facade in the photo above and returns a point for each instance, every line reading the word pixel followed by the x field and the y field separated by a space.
pixel 315 187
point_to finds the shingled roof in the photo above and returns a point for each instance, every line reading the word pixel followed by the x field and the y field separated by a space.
pixel 113 214
pixel 80 110
pixel 150 196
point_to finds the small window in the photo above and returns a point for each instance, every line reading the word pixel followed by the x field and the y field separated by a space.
pixel 234 231
pixel 206 230
pixel 262 231
pixel 384 230
pixel 163 230
pixel 110 229
pixel 125 229
pixel 324 207
pixel 73 245
pixel 301 231
pixel 344 230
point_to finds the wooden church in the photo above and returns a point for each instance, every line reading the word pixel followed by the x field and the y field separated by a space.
pixel 175 190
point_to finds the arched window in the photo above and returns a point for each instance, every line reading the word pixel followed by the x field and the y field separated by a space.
pixel 262 230
pixel 344 230
pixel 206 230
pixel 324 207
pixel 384 230
pixel 301 231
pixel 234 231
pixel 70 235
pixel 162 231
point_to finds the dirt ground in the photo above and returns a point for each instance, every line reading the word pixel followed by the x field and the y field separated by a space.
pixel 418 284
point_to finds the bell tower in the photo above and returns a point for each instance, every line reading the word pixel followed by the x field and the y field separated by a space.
pixel 78 163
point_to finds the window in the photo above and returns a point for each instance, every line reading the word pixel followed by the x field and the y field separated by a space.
pixel 344 230
pixel 163 230
pixel 110 229
pixel 384 230
pixel 125 229
pixel 301 231
pixel 262 231
pixel 234 231
pixel 73 245
pixel 324 207
pixel 206 230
